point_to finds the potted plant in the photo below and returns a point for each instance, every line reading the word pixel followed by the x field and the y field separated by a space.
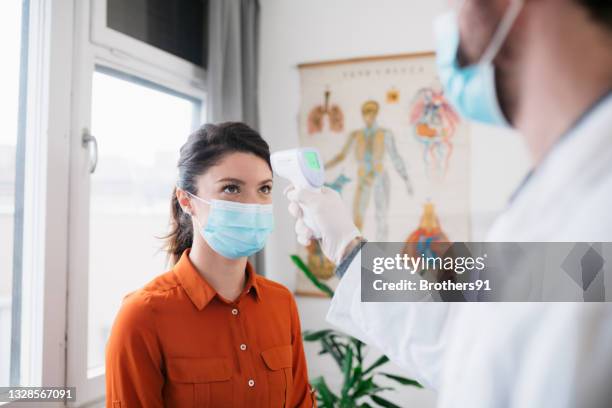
pixel 359 386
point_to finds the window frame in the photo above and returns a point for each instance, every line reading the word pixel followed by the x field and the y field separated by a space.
pixel 18 219
pixel 119 43
pixel 45 191
pixel 64 48
pixel 123 58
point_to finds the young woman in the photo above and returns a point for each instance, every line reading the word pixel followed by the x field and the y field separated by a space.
pixel 211 332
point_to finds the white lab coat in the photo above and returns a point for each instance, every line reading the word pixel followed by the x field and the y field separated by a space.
pixel 512 354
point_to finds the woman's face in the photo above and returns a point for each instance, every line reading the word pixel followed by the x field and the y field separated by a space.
pixel 240 177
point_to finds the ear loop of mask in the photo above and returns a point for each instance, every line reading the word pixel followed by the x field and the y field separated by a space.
pixel 505 25
pixel 189 211
pixel 198 198
pixel 514 8
pixel 202 200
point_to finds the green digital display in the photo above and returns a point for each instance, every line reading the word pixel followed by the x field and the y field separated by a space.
pixel 311 160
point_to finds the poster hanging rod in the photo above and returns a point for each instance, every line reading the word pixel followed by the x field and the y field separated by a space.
pixel 365 59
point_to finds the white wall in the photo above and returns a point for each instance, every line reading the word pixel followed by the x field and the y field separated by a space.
pixel 294 32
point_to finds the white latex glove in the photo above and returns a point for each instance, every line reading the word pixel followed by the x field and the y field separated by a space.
pixel 329 214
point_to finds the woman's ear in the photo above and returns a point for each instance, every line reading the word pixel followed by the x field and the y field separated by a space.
pixel 184 201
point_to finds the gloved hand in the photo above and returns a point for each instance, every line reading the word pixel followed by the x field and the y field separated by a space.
pixel 330 215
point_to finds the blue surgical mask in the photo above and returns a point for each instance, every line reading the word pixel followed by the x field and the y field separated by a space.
pixel 235 229
pixel 471 89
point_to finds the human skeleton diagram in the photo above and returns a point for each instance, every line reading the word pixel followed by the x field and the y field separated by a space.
pixel 371 144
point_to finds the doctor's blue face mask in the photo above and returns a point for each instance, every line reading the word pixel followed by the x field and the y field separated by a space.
pixel 471 89
pixel 234 229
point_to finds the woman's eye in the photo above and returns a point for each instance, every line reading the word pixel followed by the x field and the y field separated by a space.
pixel 266 189
pixel 231 189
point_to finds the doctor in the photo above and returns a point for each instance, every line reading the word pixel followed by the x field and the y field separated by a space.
pixel 545 68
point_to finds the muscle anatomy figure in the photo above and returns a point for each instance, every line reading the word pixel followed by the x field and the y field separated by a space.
pixel 371 143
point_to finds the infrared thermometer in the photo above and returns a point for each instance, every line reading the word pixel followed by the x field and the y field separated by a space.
pixel 303 167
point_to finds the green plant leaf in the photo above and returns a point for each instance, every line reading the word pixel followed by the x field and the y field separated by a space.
pixel 306 270
pixel 328 397
pixel 335 352
pixel 358 346
pixel 383 402
pixel 363 388
pixel 347 368
pixel 315 335
pixel 402 380
pixel 378 388
pixel 382 360
pixel 357 374
pixel 336 345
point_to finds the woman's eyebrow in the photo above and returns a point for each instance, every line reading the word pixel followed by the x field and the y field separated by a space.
pixel 230 180
pixel 266 181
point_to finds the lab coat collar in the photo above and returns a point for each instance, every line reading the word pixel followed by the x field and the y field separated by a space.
pixel 200 291
pixel 604 100
pixel 564 184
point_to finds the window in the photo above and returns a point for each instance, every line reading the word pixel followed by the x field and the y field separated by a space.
pixel 10 225
pixel 169 35
pixel 173 26
pixel 136 97
pixel 140 128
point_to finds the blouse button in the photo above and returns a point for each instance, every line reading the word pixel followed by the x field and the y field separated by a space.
pixel 243 346
pixel 251 383
pixel 234 311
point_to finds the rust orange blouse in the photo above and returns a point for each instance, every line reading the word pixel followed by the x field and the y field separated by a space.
pixel 177 343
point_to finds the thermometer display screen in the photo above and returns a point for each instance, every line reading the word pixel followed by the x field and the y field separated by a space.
pixel 312 161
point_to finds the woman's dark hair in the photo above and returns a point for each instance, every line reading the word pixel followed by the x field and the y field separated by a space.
pixel 600 11
pixel 204 148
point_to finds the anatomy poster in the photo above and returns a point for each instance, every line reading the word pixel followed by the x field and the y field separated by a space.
pixel 393 147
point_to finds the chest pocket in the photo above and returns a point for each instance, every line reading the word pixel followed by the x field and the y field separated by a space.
pixel 278 360
pixel 198 382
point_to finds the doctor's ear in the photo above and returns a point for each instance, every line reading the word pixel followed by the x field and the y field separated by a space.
pixel 183 200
